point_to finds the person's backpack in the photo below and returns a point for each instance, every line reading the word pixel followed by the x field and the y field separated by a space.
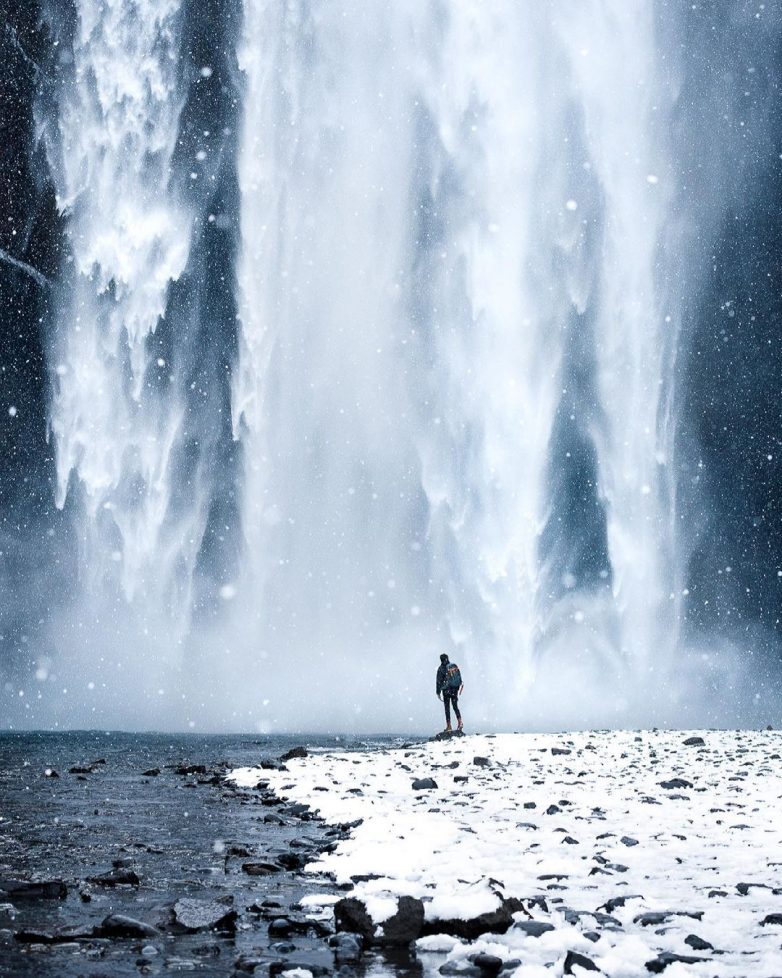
pixel 453 678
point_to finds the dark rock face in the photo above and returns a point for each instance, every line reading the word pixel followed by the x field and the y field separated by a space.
pixel 424 784
pixel 34 890
pixel 195 915
pixel 404 926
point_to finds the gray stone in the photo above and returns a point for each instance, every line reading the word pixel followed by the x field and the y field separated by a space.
pixel 398 930
pixel 195 915
pixel 661 962
pixel 533 928
pixel 118 925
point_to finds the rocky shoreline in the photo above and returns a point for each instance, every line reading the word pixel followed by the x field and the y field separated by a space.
pixel 137 899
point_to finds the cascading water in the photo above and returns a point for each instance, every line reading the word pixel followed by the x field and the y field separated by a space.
pixel 397 369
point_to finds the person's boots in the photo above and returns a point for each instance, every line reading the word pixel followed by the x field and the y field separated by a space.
pixel 448 728
pixel 460 725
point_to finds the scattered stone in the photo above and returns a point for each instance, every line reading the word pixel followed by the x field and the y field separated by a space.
pixel 294 752
pixel 80 770
pixel 424 784
pixel 261 869
pixel 693 742
pixel 461 778
pixel 615 902
pixel 50 773
pixel 190 769
pixel 626 840
pixel 533 928
pixel 772 918
pixel 118 925
pixel 490 964
pixel 655 918
pixel 153 772
pixel 573 958
pixel 115 877
pixel 661 962
pixel 744 888
pixel 34 889
pixel 560 750
pixel 269 764
pixel 481 761
pixel 347 947
pixel 698 943
pixel 676 783
pixel 193 915
pixel 553 809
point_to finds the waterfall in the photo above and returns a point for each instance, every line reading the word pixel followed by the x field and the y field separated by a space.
pixel 371 342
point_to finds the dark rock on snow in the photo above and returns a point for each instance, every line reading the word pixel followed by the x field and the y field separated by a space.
pixel 660 963
pixel 489 964
pixel 694 742
pixel 481 761
pixel 675 783
pixel 698 943
pixel 772 918
pixel 424 784
pixel 581 960
pixel 494 922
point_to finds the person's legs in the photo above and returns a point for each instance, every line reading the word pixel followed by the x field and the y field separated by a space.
pixel 447 704
pixel 455 697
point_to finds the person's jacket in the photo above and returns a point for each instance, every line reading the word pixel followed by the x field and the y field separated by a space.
pixel 442 673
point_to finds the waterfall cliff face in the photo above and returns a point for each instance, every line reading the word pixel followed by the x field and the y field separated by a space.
pixel 379 333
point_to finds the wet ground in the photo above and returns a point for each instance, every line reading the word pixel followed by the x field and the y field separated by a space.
pixel 77 806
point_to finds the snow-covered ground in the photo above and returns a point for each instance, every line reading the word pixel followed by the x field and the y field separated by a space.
pixel 578 829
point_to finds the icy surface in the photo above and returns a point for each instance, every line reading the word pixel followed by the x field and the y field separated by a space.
pixel 616 832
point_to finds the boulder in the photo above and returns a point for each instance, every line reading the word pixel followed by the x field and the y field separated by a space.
pixel 698 943
pixel 193 915
pixel 675 783
pixel 693 742
pixel 406 925
pixel 772 918
pixel 489 964
pixel 481 761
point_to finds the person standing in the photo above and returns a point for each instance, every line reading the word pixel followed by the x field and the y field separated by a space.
pixel 449 688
